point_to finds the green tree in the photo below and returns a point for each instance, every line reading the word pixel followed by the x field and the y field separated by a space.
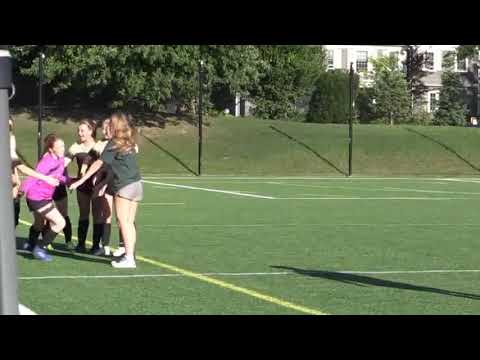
pixel 451 107
pixel 414 64
pixel 288 74
pixel 330 100
pixel 390 89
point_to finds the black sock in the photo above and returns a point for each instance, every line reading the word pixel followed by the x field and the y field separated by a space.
pixel 47 238
pixel 45 229
pixel 97 235
pixel 82 231
pixel 67 230
pixel 33 235
pixel 16 207
pixel 107 228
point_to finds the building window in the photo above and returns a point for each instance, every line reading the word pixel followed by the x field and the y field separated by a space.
pixel 330 64
pixel 461 64
pixel 429 57
pixel 362 61
pixel 434 98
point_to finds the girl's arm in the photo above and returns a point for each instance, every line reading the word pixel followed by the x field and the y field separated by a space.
pixel 30 172
pixel 91 171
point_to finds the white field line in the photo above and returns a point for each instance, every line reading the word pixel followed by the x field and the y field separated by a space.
pixel 245 274
pixel 374 198
pixel 430 191
pixel 211 190
pixel 158 204
pixel 146 226
pixel 476 181
pixel 148 275
pixel 23 310
pixel 385 189
pixel 304 225
pixel 234 177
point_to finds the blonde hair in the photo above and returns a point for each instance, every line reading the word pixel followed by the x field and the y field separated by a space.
pixel 123 135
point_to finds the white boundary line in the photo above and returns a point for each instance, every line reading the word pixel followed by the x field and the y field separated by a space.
pixel 373 198
pixel 148 275
pixel 246 274
pixel 210 190
pixel 233 177
pixel 163 204
pixel 475 181
pixel 384 189
pixel 23 310
pixel 295 224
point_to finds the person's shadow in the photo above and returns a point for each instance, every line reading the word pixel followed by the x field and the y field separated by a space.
pixel 59 250
pixel 362 280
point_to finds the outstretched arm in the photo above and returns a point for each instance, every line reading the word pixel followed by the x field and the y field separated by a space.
pixel 30 172
pixel 91 171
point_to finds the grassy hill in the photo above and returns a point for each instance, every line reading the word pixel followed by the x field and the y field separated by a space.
pixel 247 146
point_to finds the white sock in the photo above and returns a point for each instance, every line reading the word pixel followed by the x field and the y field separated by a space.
pixel 107 250
pixel 130 258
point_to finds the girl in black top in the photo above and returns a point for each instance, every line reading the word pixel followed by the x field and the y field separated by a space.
pixel 79 151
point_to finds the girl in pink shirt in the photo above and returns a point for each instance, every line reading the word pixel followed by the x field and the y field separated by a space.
pixel 39 195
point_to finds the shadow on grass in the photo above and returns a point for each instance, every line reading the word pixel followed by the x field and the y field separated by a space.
pixel 444 146
pixel 60 250
pixel 328 162
pixel 178 160
pixel 362 280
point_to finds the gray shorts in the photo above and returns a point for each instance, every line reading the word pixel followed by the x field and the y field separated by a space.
pixel 132 192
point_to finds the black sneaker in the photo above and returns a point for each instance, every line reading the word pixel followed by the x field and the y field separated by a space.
pixel 93 250
pixel 80 248
pixel 98 252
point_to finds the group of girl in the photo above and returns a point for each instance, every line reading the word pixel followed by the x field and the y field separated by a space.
pixel 108 179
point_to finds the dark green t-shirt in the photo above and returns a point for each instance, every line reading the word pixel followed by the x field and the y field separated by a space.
pixel 124 166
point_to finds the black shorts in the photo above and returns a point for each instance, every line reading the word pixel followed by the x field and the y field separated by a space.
pixel 34 205
pixel 60 193
pixel 86 187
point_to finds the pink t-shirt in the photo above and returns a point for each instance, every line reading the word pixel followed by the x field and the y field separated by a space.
pixel 35 189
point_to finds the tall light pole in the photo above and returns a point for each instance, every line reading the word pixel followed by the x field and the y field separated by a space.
pixel 8 257
pixel 41 58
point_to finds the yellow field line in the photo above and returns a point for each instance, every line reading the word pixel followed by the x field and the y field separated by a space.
pixel 221 283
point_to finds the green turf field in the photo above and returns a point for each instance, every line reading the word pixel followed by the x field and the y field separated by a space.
pixel 279 245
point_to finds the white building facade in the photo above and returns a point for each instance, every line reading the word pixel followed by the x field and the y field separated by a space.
pixel 341 56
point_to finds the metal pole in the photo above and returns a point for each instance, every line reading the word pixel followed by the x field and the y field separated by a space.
pixel 8 265
pixel 40 103
pixel 350 121
pixel 200 115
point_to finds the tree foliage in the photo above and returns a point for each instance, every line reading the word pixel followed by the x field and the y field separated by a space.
pixel 390 90
pixel 152 76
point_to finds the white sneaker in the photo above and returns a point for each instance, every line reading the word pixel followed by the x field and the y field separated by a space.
pixel 124 263
pixel 119 252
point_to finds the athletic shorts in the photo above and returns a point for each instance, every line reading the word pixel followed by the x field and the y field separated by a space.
pixel 86 187
pixel 35 205
pixel 132 192
pixel 60 193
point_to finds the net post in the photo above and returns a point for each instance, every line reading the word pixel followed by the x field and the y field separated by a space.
pixel 8 258
pixel 350 121
pixel 200 115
